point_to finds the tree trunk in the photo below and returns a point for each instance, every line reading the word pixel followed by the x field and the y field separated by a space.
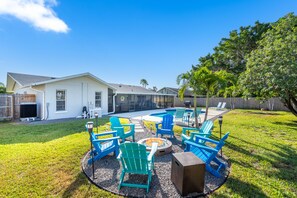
pixel 195 112
pixel 206 106
pixel 291 104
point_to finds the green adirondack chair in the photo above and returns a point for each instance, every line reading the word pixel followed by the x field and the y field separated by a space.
pixel 136 160
pixel 204 131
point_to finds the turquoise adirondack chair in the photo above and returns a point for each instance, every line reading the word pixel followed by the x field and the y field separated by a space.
pixel 136 160
pixel 192 116
pixel 208 154
pixel 167 126
pixel 179 114
pixel 204 131
pixel 117 126
pixel 104 146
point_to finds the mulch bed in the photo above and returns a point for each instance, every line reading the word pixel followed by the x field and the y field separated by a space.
pixel 108 170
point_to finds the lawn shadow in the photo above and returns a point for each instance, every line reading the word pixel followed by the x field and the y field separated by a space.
pixel 262 112
pixel 79 181
pixel 283 159
pixel 244 189
pixel 292 124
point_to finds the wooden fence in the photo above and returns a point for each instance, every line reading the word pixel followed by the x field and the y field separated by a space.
pixel 236 103
pixel 6 106
pixel 10 104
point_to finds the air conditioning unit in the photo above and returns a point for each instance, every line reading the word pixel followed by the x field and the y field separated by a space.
pixel 28 110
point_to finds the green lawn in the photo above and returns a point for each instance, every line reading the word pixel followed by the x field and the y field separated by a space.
pixel 44 160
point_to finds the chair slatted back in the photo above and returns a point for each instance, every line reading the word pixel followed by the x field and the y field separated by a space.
pixel 198 110
pixel 134 157
pixel 180 113
pixel 207 126
pixel 219 105
pixel 115 122
pixel 167 121
pixel 223 105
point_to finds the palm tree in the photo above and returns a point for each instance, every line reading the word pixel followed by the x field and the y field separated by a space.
pixel 143 82
pixel 201 80
pixel 208 82
pixel 187 80
pixel 2 88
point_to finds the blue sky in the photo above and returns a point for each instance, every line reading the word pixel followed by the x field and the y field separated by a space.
pixel 121 41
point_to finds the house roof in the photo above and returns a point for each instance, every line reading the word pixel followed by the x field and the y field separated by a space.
pixel 33 80
pixel 133 89
pixel 27 79
pixel 187 92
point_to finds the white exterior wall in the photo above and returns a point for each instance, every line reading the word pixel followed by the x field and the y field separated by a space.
pixel 79 92
pixel 39 99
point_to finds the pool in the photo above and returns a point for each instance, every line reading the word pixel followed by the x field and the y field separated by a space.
pixel 171 111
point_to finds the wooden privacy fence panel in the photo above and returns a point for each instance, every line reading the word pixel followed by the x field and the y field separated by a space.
pixel 10 104
pixel 19 99
pixel 237 103
pixel 6 106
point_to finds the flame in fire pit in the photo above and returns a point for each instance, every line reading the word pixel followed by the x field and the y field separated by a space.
pixel 150 141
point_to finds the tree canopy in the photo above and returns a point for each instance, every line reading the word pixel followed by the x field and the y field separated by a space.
pixel 272 67
pixel 144 82
pixel 2 88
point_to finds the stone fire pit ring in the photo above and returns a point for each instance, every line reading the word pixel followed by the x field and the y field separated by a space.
pixel 164 145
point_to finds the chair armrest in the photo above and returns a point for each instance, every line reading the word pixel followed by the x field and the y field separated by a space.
pixel 106 133
pixel 153 151
pixel 190 129
pixel 106 139
pixel 187 142
pixel 206 139
pixel 157 124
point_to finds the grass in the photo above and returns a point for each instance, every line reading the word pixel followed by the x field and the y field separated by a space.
pixel 44 160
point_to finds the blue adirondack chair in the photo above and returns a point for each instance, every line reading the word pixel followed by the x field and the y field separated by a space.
pixel 104 146
pixel 167 126
pixel 117 126
pixel 136 160
pixel 208 154
pixel 204 131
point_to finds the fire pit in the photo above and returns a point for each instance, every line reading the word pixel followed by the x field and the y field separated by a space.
pixel 164 146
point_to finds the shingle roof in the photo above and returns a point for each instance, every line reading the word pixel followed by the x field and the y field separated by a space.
pixel 27 79
pixel 187 92
pixel 130 89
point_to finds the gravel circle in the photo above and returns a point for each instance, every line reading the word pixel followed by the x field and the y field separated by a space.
pixel 108 170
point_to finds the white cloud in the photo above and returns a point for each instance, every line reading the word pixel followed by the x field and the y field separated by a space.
pixel 38 13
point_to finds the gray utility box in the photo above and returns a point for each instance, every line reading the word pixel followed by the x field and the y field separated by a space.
pixel 187 173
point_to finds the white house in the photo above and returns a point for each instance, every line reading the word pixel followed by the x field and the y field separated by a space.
pixel 64 97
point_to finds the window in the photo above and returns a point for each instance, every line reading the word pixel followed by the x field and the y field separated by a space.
pixel 97 99
pixel 60 100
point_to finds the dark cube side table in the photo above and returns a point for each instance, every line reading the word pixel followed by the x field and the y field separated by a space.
pixel 187 173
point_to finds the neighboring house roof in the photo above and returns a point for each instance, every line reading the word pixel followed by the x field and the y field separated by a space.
pixel 175 90
pixel 132 89
pixel 27 79
pixel 33 80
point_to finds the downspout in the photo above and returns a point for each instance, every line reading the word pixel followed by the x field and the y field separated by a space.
pixel 113 99
pixel 43 96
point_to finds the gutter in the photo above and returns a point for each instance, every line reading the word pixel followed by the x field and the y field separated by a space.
pixel 113 100
pixel 43 96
